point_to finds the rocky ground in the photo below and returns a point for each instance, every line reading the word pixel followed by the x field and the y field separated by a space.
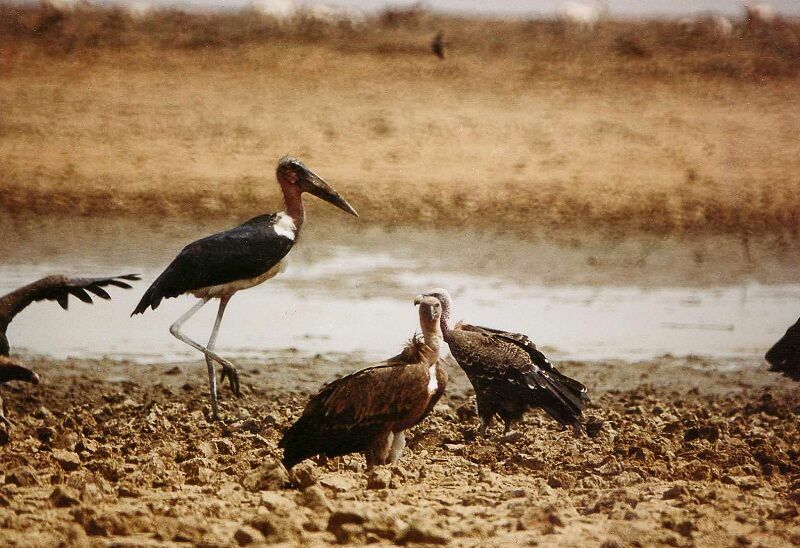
pixel 679 452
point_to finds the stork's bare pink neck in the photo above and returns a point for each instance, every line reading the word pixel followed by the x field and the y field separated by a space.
pixel 293 200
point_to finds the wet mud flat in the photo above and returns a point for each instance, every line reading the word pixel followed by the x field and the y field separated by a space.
pixel 677 451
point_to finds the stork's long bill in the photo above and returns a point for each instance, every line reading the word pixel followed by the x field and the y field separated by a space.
pixel 316 185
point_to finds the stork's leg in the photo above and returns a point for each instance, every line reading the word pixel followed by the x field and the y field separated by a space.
pixel 175 329
pixel 228 371
pixel 398 445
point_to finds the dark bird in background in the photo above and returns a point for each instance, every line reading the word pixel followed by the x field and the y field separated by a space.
pixel 55 288
pixel 369 411
pixel 784 356
pixel 509 374
pixel 437 45
pixel 11 371
pixel 51 288
pixel 218 266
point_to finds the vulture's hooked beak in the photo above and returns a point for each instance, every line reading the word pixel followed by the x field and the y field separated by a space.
pixel 427 305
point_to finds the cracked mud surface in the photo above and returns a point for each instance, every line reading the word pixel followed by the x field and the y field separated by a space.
pixel 675 453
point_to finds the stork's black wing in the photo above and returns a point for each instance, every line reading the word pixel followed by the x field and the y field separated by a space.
pixel 784 356
pixel 58 288
pixel 244 252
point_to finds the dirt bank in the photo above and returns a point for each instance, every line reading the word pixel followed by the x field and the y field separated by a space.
pixel 677 453
pixel 523 126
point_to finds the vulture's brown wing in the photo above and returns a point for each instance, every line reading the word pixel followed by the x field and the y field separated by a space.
pixel 537 357
pixel 346 415
pixel 508 370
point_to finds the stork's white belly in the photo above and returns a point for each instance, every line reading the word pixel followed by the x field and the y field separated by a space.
pixel 222 290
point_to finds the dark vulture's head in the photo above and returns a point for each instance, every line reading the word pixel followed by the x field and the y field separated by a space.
pixel 293 175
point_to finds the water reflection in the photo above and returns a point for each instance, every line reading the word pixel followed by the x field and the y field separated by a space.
pixel 350 290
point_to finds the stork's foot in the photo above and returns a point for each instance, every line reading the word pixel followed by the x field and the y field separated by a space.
pixel 229 372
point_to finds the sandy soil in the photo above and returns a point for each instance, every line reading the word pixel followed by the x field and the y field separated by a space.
pixel 517 129
pixel 676 453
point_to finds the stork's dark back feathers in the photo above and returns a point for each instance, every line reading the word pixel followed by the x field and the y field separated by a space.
pixel 59 289
pixel 241 253
pixel 507 370
pixel 784 356
pixel 348 414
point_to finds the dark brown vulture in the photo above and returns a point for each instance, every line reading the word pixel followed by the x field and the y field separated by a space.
pixel 10 371
pixel 369 411
pixel 784 356
pixel 218 266
pixel 54 288
pixel 508 373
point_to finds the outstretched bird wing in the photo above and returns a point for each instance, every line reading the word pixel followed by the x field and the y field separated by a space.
pixel 12 371
pixel 242 253
pixel 59 288
pixel 346 415
pixel 784 356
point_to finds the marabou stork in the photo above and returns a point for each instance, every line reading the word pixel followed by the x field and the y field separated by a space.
pixel 508 373
pixel 217 266
pixel 369 411
pixel 50 288
pixel 784 356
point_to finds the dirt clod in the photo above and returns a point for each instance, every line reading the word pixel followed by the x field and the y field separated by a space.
pixel 423 533
pixel 268 476
pixel 24 476
pixel 246 535
pixel 379 478
pixel 63 496
pixel 68 460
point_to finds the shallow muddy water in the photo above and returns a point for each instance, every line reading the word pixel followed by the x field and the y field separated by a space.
pixel 350 289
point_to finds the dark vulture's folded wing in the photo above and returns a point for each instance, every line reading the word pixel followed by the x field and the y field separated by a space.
pixel 784 356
